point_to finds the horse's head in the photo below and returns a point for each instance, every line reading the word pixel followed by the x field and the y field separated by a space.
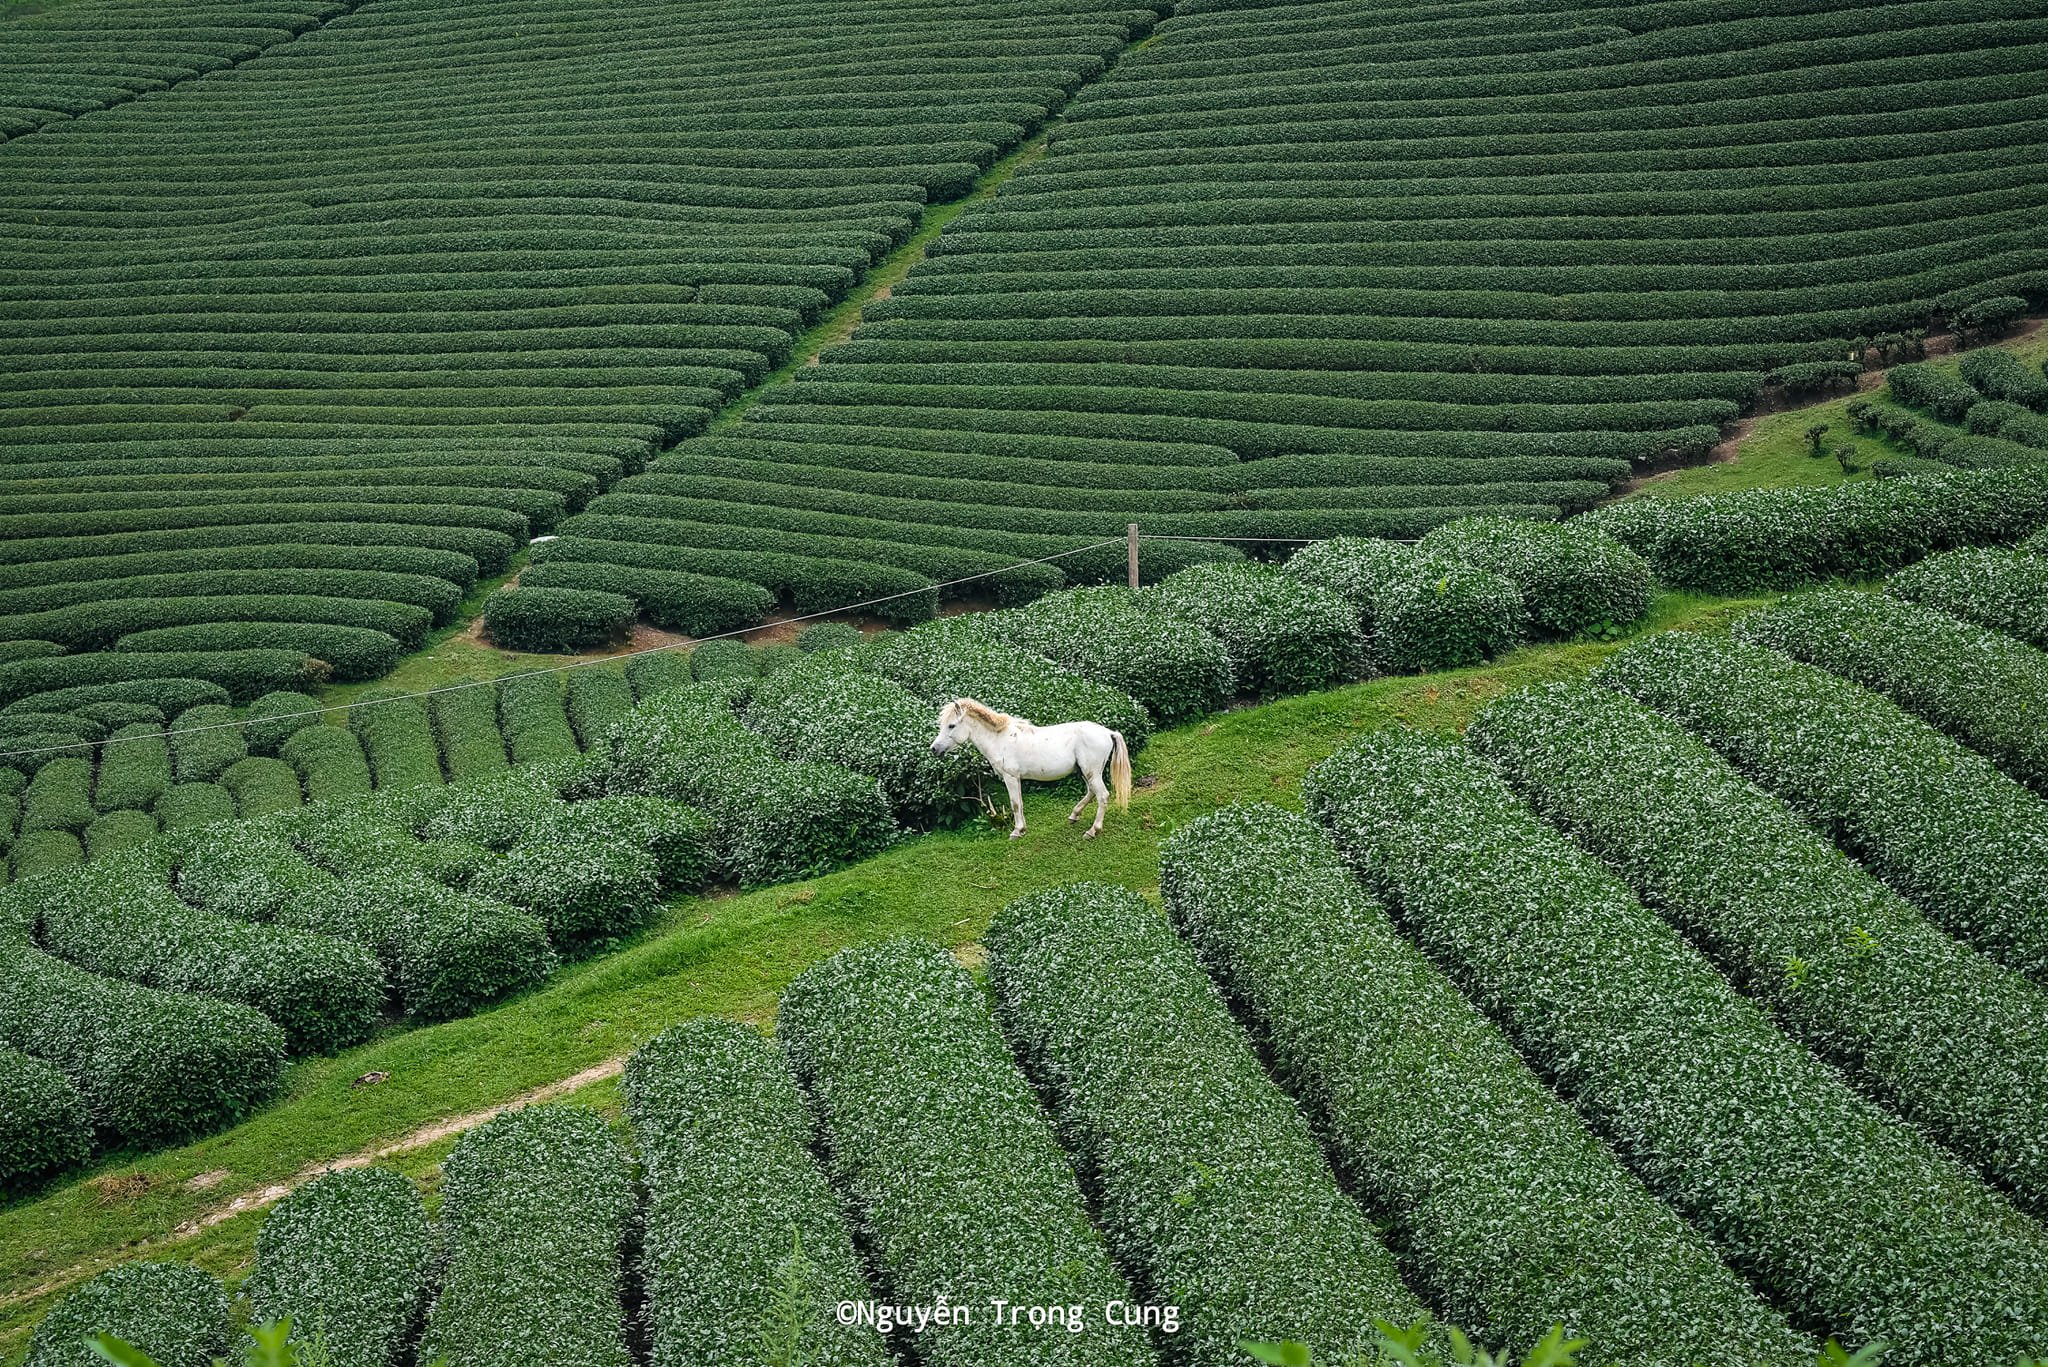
pixel 960 718
pixel 952 728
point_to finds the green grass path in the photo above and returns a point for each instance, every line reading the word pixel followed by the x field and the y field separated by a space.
pixel 725 954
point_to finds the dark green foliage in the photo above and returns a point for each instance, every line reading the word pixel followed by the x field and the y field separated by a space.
pixel 262 785
pixel 244 674
pixel 37 852
pixel 1208 1179
pixel 396 739
pixel 534 1209
pixel 1280 634
pixel 723 660
pixel 678 837
pixel 828 636
pixel 168 696
pixel 1938 1032
pixel 770 819
pixel 117 831
pixel 586 894
pixel 465 722
pixel 973 1197
pixel 153 1067
pixel 650 672
pixel 1419 610
pixel 1828 1203
pixel 275 718
pixel 734 1195
pixel 117 916
pixel 556 621
pixel 354 652
pixel 135 767
pixel 1502 1202
pixel 595 697
pixel 1920 385
pixel 1114 637
pixel 2001 375
pixel 59 797
pixel 694 604
pixel 828 713
pixel 346 1258
pixel 532 719
pixel 204 742
pixel 43 1121
pixel 2004 590
pixel 329 760
pixel 172 1311
pixel 1573 577
pixel 186 806
pixel 1988 691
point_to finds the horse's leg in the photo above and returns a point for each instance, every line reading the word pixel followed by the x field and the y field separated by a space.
pixel 1016 787
pixel 1098 790
pixel 1075 815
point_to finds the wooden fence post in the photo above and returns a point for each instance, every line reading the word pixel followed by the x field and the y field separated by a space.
pixel 1132 534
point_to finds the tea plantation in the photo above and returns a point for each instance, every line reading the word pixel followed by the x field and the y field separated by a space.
pixel 493 496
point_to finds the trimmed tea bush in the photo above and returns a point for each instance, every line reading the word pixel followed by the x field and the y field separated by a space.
pixel 970 1198
pixel 533 720
pixel 1281 635
pixel 2001 375
pixel 1573 577
pixel 447 953
pixel 556 621
pixel 59 797
pixel 465 722
pixel 275 718
pixel 1419 611
pixel 204 741
pixel 2003 590
pixel 595 697
pixel 655 671
pixel 1920 385
pixel 495 813
pixel 534 1210
pixel 44 852
pixel 678 837
pixel 329 761
pixel 1828 1203
pixel 135 769
pixel 829 714
pixel 1501 1200
pixel 723 660
pixel 346 1258
pixel 1122 639
pixel 188 806
pixel 261 785
pixel 153 1067
pixel 172 1311
pixel 1952 834
pixel 1208 1183
pixel 828 636
pixel 117 917
pixel 770 820
pixel 1988 691
pixel 397 739
pixel 734 1194
pixel 245 870
pixel 118 831
pixel 43 1121
pixel 1939 1033
pixel 585 894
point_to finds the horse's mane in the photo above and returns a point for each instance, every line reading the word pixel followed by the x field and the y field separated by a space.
pixel 983 713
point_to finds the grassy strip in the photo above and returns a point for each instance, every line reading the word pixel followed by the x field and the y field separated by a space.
pixel 730 956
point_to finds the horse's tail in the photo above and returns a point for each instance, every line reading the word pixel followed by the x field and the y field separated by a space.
pixel 1120 771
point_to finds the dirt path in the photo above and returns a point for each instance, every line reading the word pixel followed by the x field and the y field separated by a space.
pixel 264 1197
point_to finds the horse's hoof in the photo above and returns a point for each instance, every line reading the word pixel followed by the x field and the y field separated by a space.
pixel 1088 835
pixel 1016 835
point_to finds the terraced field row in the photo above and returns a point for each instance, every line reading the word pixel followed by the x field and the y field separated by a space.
pixel 1466 259
pixel 478 262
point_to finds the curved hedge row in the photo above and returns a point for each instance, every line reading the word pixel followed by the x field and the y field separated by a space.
pixel 1939 1033
pixel 117 917
pixel 1827 1203
pixel 734 1199
pixel 1502 1203
pixel 329 761
pixel 204 742
pixel 1958 839
pixel 1419 610
pixel 972 1199
pixel 43 1121
pixel 771 820
pixel 1122 640
pixel 1572 577
pixel 556 621
pixel 153 1067
pixel 2003 590
pixel 1208 1183
pixel 346 1258
pixel 533 721
pixel 1989 692
pixel 396 739
pixel 174 1312
pixel 1280 635
pixel 534 1209
pixel 465 726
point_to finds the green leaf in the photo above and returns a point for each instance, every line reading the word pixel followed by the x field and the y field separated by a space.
pixel 1287 1354
pixel 121 1353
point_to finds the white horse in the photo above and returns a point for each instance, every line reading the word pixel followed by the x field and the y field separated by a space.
pixel 1018 750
